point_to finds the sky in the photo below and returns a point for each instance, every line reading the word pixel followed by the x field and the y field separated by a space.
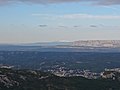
pixel 25 21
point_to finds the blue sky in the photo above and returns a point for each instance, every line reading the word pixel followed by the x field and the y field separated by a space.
pixel 24 21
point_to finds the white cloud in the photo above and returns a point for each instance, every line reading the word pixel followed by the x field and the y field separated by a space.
pixel 79 16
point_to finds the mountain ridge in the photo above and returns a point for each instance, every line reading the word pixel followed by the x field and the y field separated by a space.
pixel 92 43
pixel 36 80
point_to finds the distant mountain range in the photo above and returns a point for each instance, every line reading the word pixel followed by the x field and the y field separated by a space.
pixel 76 46
pixel 91 43
pixel 80 43
pixel 97 43
pixel 48 44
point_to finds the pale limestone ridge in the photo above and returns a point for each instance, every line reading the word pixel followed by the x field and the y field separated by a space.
pixel 97 43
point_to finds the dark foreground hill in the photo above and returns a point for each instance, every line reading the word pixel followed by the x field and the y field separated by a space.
pixel 36 80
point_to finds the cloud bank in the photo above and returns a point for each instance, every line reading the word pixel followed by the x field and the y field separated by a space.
pixel 77 16
pixel 88 16
pixel 97 2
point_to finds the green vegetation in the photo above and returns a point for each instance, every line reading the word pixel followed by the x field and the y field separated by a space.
pixel 36 80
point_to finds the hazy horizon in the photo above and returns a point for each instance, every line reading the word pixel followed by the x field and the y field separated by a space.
pixel 60 41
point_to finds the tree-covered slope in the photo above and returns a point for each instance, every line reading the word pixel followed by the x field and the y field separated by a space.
pixel 36 80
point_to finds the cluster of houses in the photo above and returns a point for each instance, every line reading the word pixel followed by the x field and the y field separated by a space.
pixel 64 72
pixel 6 66
pixel 111 74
